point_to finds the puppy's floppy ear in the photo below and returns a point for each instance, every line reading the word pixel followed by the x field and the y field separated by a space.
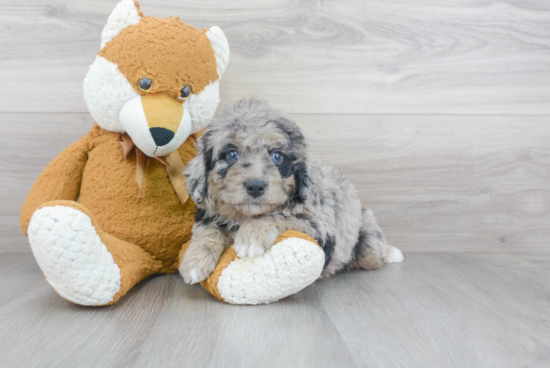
pixel 301 180
pixel 197 173
pixel 301 164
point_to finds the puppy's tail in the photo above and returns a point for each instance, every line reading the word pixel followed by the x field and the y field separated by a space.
pixel 372 250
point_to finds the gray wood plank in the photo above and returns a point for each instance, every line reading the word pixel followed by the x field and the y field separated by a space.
pixel 444 310
pixel 17 275
pixel 284 334
pixel 436 183
pixel 28 143
pixel 345 56
pixel 470 311
pixel 445 183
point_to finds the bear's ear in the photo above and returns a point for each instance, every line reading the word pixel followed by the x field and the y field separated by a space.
pixel 126 14
pixel 221 48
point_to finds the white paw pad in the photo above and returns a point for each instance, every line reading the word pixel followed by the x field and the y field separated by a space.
pixel 284 269
pixel 73 258
pixel 394 255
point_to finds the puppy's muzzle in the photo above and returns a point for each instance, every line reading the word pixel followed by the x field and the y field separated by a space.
pixel 255 188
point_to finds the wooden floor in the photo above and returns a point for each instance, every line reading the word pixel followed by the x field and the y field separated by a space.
pixel 433 310
pixel 439 113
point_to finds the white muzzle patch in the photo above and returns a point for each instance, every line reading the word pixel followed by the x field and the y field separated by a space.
pixel 134 122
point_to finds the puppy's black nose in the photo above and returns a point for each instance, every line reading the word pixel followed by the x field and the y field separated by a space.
pixel 255 188
pixel 161 136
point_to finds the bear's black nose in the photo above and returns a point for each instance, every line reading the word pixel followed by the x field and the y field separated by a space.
pixel 255 188
pixel 161 136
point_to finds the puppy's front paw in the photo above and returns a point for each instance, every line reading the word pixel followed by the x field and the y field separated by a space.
pixel 195 269
pixel 254 238
pixel 247 250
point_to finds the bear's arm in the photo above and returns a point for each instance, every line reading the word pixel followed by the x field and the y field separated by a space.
pixel 60 180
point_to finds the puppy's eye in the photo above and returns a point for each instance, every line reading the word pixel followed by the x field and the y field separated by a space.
pixel 277 157
pixel 232 156
pixel 145 84
pixel 185 92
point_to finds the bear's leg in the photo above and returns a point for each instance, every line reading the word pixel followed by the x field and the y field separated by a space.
pixel 82 263
pixel 293 262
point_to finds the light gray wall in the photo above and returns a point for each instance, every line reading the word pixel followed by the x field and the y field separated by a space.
pixel 438 111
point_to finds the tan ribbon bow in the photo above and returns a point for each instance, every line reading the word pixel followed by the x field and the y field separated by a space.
pixel 172 162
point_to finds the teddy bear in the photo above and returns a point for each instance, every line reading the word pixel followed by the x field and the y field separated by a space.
pixel 112 208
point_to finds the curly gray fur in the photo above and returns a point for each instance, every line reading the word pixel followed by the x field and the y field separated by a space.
pixel 300 194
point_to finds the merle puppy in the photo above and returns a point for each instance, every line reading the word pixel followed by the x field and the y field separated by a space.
pixel 252 179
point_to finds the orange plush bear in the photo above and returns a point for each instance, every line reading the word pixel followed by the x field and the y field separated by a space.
pixel 112 208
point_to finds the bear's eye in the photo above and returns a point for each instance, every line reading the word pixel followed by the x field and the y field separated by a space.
pixel 185 92
pixel 145 84
pixel 232 156
pixel 277 157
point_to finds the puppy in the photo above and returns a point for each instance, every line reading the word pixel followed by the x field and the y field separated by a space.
pixel 252 179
